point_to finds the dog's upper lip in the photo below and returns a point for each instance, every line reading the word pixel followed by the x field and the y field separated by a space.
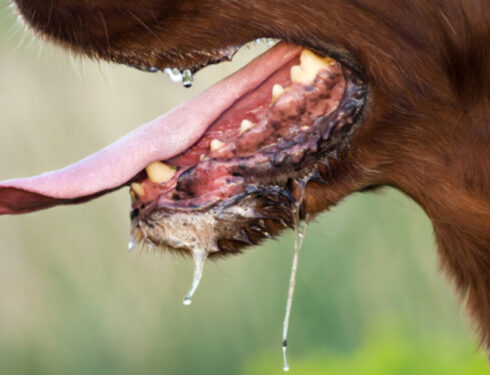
pixel 159 139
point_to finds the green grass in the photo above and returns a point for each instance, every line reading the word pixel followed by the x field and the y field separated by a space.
pixel 391 353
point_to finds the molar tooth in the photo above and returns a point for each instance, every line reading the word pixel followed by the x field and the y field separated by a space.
pixel 138 189
pixel 216 144
pixel 246 125
pixel 277 91
pixel 159 172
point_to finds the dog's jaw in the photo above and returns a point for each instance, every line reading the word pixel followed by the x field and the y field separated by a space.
pixel 250 193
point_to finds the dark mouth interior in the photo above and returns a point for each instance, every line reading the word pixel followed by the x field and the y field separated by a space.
pixel 278 131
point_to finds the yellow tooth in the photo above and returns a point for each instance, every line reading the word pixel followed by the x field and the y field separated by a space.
pixel 277 91
pixel 310 59
pixel 159 172
pixel 216 144
pixel 201 157
pixel 296 74
pixel 246 125
pixel 138 189
pixel 311 64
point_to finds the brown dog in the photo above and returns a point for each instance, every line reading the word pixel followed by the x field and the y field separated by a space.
pixel 407 104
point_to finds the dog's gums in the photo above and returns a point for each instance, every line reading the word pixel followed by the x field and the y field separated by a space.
pixel 358 95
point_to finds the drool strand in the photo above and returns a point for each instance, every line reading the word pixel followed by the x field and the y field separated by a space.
pixel 299 236
pixel 199 256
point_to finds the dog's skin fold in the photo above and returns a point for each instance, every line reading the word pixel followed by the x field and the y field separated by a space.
pixel 426 125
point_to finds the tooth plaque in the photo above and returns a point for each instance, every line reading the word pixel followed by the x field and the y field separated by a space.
pixel 311 65
pixel 216 144
pixel 246 125
pixel 159 172
pixel 138 189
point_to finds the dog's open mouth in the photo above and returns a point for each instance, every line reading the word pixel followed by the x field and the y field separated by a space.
pixel 225 169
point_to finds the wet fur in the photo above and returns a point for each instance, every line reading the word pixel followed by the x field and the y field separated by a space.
pixel 426 126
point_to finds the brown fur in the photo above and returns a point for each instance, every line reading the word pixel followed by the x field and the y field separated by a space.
pixel 426 126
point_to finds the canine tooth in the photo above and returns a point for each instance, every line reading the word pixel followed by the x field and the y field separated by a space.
pixel 216 144
pixel 201 157
pixel 138 189
pixel 296 73
pixel 311 64
pixel 159 172
pixel 277 91
pixel 246 125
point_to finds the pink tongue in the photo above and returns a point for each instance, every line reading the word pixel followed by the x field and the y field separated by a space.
pixel 160 139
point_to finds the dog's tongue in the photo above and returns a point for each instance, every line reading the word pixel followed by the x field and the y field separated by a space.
pixel 160 139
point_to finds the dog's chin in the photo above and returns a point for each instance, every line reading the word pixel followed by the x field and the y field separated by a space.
pixel 247 177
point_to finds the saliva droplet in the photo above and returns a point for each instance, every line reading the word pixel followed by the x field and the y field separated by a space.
pixel 272 42
pixel 174 74
pixel 150 245
pixel 285 366
pixel 131 244
pixel 199 256
pixel 187 78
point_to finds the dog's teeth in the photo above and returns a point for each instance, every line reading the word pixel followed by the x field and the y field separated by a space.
pixel 159 172
pixel 246 125
pixel 202 157
pixel 296 74
pixel 216 144
pixel 311 65
pixel 138 189
pixel 277 91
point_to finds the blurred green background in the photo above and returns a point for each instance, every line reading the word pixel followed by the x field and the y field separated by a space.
pixel 369 299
